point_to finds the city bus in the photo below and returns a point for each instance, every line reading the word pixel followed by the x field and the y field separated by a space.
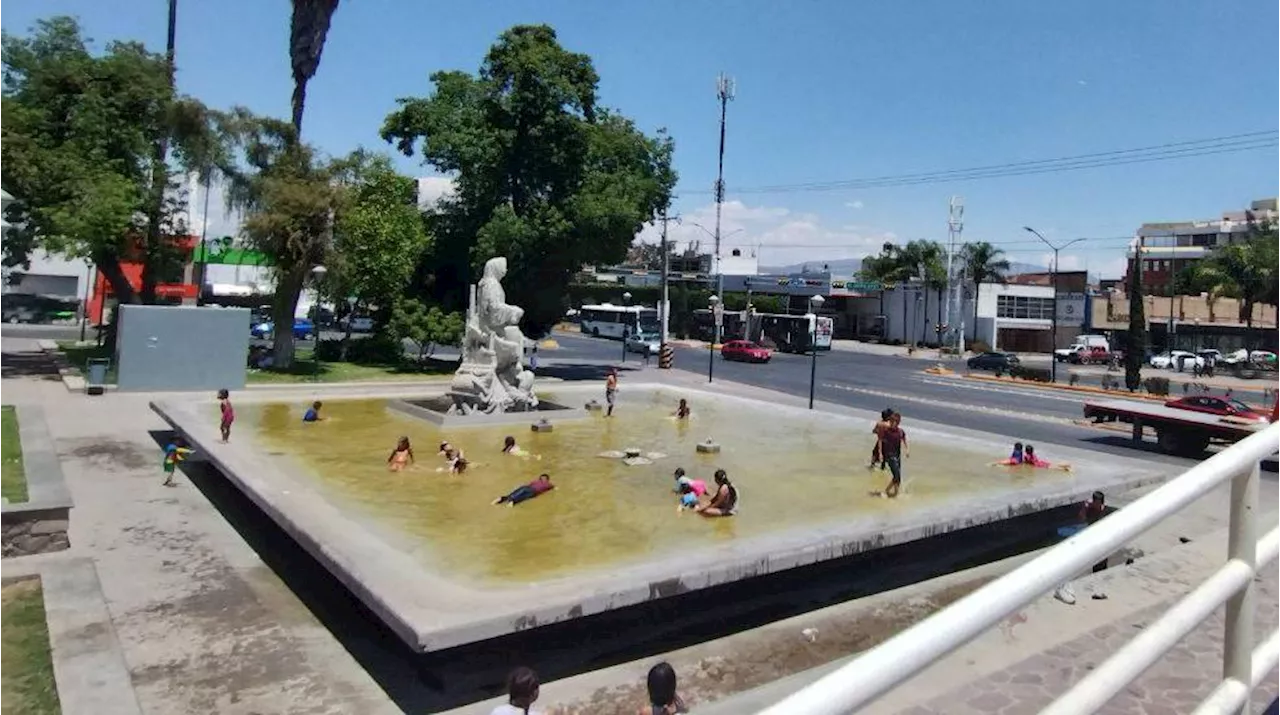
pixel 611 321
pixel 791 333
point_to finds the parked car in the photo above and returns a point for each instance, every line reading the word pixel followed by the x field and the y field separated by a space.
pixel 1175 360
pixel 644 343
pixel 993 361
pixel 303 329
pixel 1219 406
pixel 745 351
pixel 1090 356
pixel 359 324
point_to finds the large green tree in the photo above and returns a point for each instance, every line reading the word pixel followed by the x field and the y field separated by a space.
pixel 544 175
pixel 379 237
pixel 78 141
pixel 1245 270
pixel 289 195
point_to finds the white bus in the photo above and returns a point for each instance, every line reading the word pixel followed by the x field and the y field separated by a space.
pixel 609 321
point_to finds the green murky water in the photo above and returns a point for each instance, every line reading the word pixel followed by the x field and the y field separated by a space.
pixel 788 471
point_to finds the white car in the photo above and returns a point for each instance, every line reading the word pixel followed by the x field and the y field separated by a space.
pixel 1171 360
pixel 644 342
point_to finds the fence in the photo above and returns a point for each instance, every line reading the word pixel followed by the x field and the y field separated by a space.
pixel 891 663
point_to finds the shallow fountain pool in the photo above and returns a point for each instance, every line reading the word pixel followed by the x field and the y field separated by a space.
pixel 792 468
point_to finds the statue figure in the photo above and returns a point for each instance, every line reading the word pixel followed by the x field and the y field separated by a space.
pixel 492 377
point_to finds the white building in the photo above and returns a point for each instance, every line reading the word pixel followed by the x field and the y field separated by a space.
pixel 1017 318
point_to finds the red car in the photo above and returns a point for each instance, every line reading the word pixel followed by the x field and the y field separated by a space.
pixel 1090 356
pixel 746 351
pixel 1225 407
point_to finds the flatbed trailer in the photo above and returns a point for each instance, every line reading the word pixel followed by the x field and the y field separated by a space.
pixel 1181 432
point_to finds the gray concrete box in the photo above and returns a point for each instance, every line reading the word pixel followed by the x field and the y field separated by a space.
pixel 181 348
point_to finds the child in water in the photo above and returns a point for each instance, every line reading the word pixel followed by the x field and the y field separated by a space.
pixel 682 410
pixel 697 486
pixel 1029 457
pixel 174 452
pixel 886 417
pixel 1014 459
pixel 313 412
pixel 688 499
pixel 525 492
pixel 509 446
pixel 401 456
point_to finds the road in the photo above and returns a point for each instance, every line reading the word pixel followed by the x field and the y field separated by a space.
pixel 874 382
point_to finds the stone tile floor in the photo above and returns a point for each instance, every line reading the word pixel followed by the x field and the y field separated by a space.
pixel 1176 684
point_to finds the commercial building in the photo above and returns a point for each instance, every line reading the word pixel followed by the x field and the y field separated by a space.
pixel 1169 248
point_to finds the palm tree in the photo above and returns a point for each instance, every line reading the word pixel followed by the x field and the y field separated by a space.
pixel 881 269
pixel 307 33
pixel 922 259
pixel 983 263
pixel 1246 271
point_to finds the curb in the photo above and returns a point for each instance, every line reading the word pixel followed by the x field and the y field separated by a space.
pixel 1070 388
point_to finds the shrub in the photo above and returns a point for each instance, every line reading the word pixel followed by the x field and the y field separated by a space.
pixel 1036 374
pixel 1073 379
pixel 1157 385
pixel 329 350
pixel 980 346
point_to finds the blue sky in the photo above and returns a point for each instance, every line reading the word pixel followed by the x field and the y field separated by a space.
pixel 826 91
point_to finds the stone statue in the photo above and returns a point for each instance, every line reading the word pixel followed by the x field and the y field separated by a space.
pixel 492 377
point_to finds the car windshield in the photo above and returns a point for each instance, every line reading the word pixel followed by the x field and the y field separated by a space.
pixel 748 346
pixel 1239 406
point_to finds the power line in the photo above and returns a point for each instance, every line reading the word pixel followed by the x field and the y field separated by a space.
pixel 1160 152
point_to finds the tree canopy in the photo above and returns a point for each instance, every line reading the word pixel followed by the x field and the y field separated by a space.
pixel 78 138
pixel 1246 270
pixel 379 237
pixel 543 174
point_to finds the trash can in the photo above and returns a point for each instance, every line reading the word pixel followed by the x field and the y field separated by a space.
pixel 96 380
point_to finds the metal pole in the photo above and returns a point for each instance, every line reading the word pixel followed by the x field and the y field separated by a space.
pixel 84 307
pixel 625 333
pixel 204 247
pixel 666 277
pixel 725 92
pixel 813 363
pixel 711 362
pixel 1053 356
pixel 1242 541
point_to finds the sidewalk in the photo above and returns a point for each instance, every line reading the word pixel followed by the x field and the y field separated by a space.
pixel 202 623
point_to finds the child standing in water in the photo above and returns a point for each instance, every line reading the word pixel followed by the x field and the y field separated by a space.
pixel 610 390
pixel 228 414
pixel 401 456
pixel 893 447
pixel 876 458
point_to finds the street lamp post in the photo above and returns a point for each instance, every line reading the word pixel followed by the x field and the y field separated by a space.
pixel 626 301
pixel 814 304
pixel 711 349
pixel 1053 359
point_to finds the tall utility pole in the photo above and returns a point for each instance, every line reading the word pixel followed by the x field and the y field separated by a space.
pixel 955 226
pixel 724 92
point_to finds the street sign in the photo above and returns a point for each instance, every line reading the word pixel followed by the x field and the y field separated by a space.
pixel 718 311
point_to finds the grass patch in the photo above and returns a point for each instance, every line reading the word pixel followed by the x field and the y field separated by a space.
pixel 27 682
pixel 306 369
pixel 13 478
pixel 80 355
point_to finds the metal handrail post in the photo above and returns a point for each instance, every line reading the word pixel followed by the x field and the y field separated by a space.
pixel 1242 540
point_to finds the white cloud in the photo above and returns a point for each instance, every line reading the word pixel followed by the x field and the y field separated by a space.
pixel 778 235
pixel 856 205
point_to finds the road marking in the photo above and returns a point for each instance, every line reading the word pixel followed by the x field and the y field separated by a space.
pixel 1042 394
pixel 952 405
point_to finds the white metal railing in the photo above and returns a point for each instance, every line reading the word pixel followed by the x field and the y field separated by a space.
pixel 898 659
